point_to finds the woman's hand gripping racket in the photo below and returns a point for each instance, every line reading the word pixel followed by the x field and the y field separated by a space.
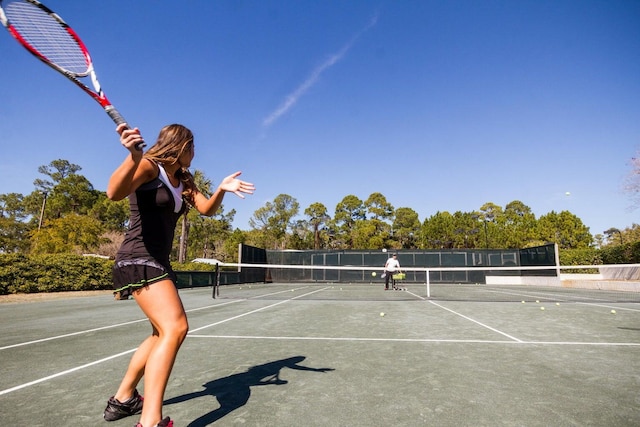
pixel 43 33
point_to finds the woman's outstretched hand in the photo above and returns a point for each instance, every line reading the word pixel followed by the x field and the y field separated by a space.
pixel 232 184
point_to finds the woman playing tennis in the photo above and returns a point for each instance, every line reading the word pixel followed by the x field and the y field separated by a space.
pixel 159 186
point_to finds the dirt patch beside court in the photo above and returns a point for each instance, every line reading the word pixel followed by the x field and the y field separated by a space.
pixel 45 296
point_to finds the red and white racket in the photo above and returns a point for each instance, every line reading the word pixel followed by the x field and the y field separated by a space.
pixel 43 33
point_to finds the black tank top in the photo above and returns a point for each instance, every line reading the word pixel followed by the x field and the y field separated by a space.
pixel 152 224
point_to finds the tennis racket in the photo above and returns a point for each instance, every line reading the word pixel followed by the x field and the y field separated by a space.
pixel 46 36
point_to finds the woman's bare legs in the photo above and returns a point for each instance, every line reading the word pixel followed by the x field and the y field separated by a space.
pixel 135 371
pixel 154 358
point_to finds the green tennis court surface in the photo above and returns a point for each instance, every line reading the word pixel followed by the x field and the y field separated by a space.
pixel 324 355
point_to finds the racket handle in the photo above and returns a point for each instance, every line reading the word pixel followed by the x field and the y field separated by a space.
pixel 118 119
pixel 115 115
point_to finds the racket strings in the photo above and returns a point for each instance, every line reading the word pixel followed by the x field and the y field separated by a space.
pixel 48 36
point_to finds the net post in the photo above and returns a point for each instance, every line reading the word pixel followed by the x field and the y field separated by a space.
pixel 428 285
pixel 216 281
pixel 557 259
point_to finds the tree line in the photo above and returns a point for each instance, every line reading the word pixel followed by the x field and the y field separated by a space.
pixel 66 214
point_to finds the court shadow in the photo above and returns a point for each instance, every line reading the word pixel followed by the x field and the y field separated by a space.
pixel 233 392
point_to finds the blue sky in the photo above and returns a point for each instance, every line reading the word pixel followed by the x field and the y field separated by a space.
pixel 438 105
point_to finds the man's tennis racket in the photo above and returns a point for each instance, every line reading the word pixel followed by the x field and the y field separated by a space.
pixel 43 33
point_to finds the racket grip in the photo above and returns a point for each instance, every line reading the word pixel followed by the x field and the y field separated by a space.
pixel 115 115
pixel 118 119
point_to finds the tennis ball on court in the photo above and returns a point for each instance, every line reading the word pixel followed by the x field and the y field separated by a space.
pixel 523 302
pixel 381 314
pixel 557 303
pixel 613 312
pixel 541 308
pixel 373 274
pixel 537 301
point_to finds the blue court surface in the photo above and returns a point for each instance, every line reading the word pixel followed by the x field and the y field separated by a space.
pixel 331 355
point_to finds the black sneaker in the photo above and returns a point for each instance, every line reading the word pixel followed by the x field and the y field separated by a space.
pixel 164 423
pixel 116 409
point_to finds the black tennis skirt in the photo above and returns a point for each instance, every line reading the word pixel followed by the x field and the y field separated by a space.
pixel 131 275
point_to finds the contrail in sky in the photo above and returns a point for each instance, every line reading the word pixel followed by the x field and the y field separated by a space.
pixel 294 96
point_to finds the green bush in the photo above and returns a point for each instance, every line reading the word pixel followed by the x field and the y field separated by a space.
pixel 629 253
pixel 63 272
pixel 588 256
pixel 193 266
pixel 635 253
pixel 53 273
pixel 15 271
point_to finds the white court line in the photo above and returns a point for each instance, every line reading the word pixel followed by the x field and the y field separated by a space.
pixel 71 334
pixel 354 339
pixel 420 340
pixel 549 296
pixel 617 307
pixel 256 310
pixel 281 292
pixel 476 322
pixel 206 307
pixel 513 340
pixel 416 295
pixel 117 325
pixel 68 371
pixel 100 328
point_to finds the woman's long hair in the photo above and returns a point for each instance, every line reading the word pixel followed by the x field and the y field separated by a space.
pixel 172 141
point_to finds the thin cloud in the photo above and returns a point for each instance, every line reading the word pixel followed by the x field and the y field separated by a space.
pixel 293 97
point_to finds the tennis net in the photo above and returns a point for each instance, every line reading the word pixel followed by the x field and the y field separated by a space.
pixel 586 283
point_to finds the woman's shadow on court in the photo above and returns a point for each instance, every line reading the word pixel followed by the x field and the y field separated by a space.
pixel 233 392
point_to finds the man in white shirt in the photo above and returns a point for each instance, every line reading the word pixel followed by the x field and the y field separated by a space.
pixel 391 267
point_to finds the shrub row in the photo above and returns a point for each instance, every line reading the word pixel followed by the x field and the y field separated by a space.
pixel 62 272
pixel 53 273
pixel 629 253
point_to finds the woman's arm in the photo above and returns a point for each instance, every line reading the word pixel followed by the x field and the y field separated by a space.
pixel 133 172
pixel 209 206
